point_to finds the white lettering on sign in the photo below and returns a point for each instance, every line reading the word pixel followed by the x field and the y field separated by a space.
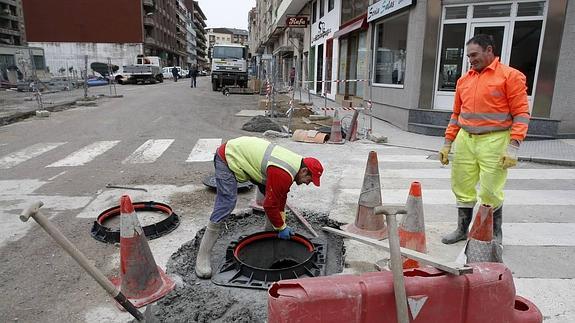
pixel 386 7
pixel 297 22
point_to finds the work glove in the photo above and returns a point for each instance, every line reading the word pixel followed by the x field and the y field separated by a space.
pixel 444 152
pixel 509 157
pixel 286 233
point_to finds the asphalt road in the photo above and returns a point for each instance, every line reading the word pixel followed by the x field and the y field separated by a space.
pixel 39 282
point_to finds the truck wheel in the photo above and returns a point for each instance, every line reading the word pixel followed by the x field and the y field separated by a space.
pixel 214 85
pixel 160 78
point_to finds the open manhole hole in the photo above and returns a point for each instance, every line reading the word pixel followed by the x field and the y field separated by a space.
pixel 210 181
pixel 258 260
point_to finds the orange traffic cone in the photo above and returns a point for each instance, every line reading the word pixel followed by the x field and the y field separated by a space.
pixel 412 226
pixel 367 223
pixel 480 246
pixel 336 137
pixel 258 203
pixel 141 280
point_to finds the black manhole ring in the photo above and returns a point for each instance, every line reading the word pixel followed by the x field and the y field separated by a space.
pixel 103 233
pixel 234 272
pixel 210 181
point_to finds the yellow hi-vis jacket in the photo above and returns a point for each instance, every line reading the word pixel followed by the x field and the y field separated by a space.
pixel 249 158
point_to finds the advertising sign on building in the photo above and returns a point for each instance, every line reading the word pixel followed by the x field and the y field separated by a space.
pixel 386 7
pixel 297 21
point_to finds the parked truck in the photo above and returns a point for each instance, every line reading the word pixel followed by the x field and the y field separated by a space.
pixel 229 66
pixel 146 69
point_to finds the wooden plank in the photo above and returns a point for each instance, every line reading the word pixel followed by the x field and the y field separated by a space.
pixel 449 267
pixel 302 220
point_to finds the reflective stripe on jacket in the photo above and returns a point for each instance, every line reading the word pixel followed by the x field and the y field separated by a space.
pixel 493 100
pixel 249 158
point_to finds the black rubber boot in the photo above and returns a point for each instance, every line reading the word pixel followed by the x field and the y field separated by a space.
pixel 463 220
pixel 497 222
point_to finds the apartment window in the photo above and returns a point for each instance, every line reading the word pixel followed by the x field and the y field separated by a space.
pixel 321 8
pixel 390 45
pixel 39 62
pixel 330 5
pixel 313 12
pixel 352 8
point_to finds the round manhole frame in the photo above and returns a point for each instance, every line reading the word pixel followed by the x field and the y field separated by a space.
pixel 152 231
pixel 235 273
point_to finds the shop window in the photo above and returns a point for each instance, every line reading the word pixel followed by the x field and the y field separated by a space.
pixel 492 10
pixel 330 5
pixel 451 63
pixel 321 8
pixel 390 45
pixel 456 12
pixel 313 12
pixel 531 9
pixel 526 38
pixel 328 64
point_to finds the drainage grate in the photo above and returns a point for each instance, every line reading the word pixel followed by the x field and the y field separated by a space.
pixel 258 260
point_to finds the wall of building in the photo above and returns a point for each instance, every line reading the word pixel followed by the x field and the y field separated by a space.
pixel 563 106
pixel 399 100
pixel 330 24
pixel 113 21
pixel 67 55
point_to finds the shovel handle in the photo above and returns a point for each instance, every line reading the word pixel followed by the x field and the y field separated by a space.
pixel 34 212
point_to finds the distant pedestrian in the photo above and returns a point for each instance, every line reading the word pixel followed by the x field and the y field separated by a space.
pixel 292 76
pixel 193 74
pixel 175 73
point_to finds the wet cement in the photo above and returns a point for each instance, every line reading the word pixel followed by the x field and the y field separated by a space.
pixel 198 300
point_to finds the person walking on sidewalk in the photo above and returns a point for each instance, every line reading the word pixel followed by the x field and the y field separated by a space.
pixel 489 121
pixel 272 168
pixel 193 75
pixel 175 73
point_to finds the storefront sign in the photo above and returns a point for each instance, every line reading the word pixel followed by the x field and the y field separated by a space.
pixel 297 22
pixel 321 32
pixel 386 7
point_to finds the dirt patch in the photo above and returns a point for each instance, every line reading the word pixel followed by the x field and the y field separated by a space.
pixel 261 124
pixel 198 300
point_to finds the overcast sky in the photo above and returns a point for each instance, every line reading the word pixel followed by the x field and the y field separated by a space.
pixel 227 13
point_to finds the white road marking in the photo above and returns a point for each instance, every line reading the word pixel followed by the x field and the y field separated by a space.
pixel 204 150
pixel 149 151
pixel 445 196
pixel 85 154
pixel 441 173
pixel 25 154
pixel 56 176
pixel 21 186
pixel 540 234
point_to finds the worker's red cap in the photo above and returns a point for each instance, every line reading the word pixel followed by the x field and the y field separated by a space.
pixel 315 168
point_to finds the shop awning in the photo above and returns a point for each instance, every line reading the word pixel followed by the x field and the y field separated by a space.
pixel 359 24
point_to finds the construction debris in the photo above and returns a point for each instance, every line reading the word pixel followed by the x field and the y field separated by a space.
pixel 261 124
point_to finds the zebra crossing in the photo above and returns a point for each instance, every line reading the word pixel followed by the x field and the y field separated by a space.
pixel 148 152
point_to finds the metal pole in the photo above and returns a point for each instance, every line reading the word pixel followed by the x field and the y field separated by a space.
pixel 110 75
pixel 397 269
pixel 85 76
pixel 369 83
pixel 273 68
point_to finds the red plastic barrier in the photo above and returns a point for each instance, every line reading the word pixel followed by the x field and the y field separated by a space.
pixel 487 295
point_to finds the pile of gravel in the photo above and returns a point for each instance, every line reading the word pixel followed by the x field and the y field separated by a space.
pixel 261 124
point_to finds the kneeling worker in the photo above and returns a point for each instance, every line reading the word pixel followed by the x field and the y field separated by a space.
pixel 272 168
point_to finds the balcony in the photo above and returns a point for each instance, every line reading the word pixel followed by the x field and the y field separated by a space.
pixel 149 21
pixel 149 40
pixel 9 32
pixel 149 3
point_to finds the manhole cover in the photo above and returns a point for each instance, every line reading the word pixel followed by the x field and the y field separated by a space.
pixel 210 181
pixel 258 260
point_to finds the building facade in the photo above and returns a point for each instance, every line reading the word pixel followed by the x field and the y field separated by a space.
pixel 201 38
pixel 12 29
pixel 405 56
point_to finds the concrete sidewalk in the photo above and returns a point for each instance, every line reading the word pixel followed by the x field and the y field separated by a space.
pixel 557 152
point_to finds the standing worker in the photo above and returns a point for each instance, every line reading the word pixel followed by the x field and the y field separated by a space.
pixel 292 77
pixel 272 168
pixel 193 75
pixel 489 122
pixel 175 73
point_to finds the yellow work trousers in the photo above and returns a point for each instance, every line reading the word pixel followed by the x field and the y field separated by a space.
pixel 477 161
